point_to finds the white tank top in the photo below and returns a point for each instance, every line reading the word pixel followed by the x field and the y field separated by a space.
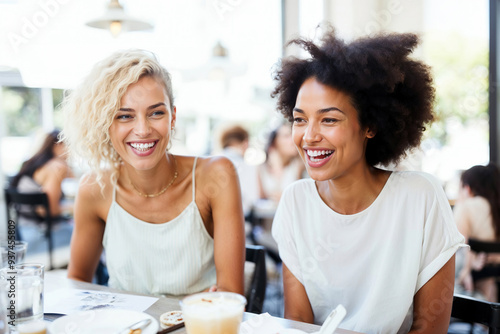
pixel 174 258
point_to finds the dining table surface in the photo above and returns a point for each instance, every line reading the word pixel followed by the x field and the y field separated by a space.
pixel 57 279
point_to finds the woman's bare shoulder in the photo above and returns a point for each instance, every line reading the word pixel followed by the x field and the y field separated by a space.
pixel 57 164
pixel 215 164
pixel 215 172
pixel 53 168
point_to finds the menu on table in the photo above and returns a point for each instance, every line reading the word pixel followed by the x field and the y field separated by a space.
pixel 68 301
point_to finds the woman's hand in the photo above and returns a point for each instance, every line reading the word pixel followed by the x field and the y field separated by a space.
pixel 478 261
pixel 465 280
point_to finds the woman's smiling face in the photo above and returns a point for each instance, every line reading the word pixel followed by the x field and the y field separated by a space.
pixel 141 129
pixel 327 132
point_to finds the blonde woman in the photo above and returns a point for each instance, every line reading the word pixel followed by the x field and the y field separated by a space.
pixel 170 225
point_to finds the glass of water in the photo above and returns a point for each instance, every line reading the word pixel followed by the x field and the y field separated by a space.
pixel 4 325
pixel 13 252
pixel 24 287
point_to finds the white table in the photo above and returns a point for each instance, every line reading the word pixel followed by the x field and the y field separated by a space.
pixel 56 280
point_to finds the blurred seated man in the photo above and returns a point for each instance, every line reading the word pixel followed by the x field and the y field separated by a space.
pixel 235 140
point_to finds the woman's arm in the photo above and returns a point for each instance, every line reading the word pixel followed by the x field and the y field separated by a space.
pixel 262 194
pixel 432 303
pixel 297 304
pixel 86 240
pixel 222 184
pixel 461 215
pixel 54 173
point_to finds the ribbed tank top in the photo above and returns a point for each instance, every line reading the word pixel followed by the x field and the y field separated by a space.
pixel 174 258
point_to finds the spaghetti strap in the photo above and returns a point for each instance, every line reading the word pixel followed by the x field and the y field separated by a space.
pixel 194 169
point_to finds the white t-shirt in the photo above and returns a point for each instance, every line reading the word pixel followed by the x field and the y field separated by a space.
pixel 247 175
pixel 372 262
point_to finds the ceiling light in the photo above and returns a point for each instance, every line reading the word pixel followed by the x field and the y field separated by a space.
pixel 116 20
pixel 218 68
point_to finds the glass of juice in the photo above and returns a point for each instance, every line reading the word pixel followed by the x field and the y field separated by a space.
pixel 213 312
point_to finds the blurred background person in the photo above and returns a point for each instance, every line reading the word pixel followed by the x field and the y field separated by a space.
pixel 281 168
pixel 477 214
pixel 282 165
pixel 45 172
pixel 234 141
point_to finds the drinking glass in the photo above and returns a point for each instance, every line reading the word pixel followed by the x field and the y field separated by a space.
pixel 13 252
pixel 4 325
pixel 24 284
pixel 213 312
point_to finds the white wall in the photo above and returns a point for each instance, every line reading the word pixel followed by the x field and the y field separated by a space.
pixel 290 25
pixel 355 18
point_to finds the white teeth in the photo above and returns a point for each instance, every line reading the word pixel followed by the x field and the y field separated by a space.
pixel 312 153
pixel 142 146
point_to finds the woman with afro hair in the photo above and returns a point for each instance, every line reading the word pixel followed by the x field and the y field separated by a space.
pixel 382 243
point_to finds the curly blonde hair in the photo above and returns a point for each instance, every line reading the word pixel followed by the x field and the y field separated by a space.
pixel 90 108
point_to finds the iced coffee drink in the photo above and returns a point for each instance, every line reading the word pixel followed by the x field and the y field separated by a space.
pixel 213 312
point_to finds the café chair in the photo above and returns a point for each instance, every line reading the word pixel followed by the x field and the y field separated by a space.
pixel 478 311
pixel 484 246
pixel 490 270
pixel 25 204
pixel 255 290
pixel 101 275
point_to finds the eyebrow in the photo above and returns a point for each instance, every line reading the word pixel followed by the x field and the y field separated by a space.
pixel 154 106
pixel 320 111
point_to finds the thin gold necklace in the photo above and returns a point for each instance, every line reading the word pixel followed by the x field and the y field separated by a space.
pixel 161 191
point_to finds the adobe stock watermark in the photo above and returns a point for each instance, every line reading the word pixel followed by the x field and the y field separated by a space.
pixel 381 19
pixel 32 24
pixel 437 308
pixel 325 248
pixel 225 6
